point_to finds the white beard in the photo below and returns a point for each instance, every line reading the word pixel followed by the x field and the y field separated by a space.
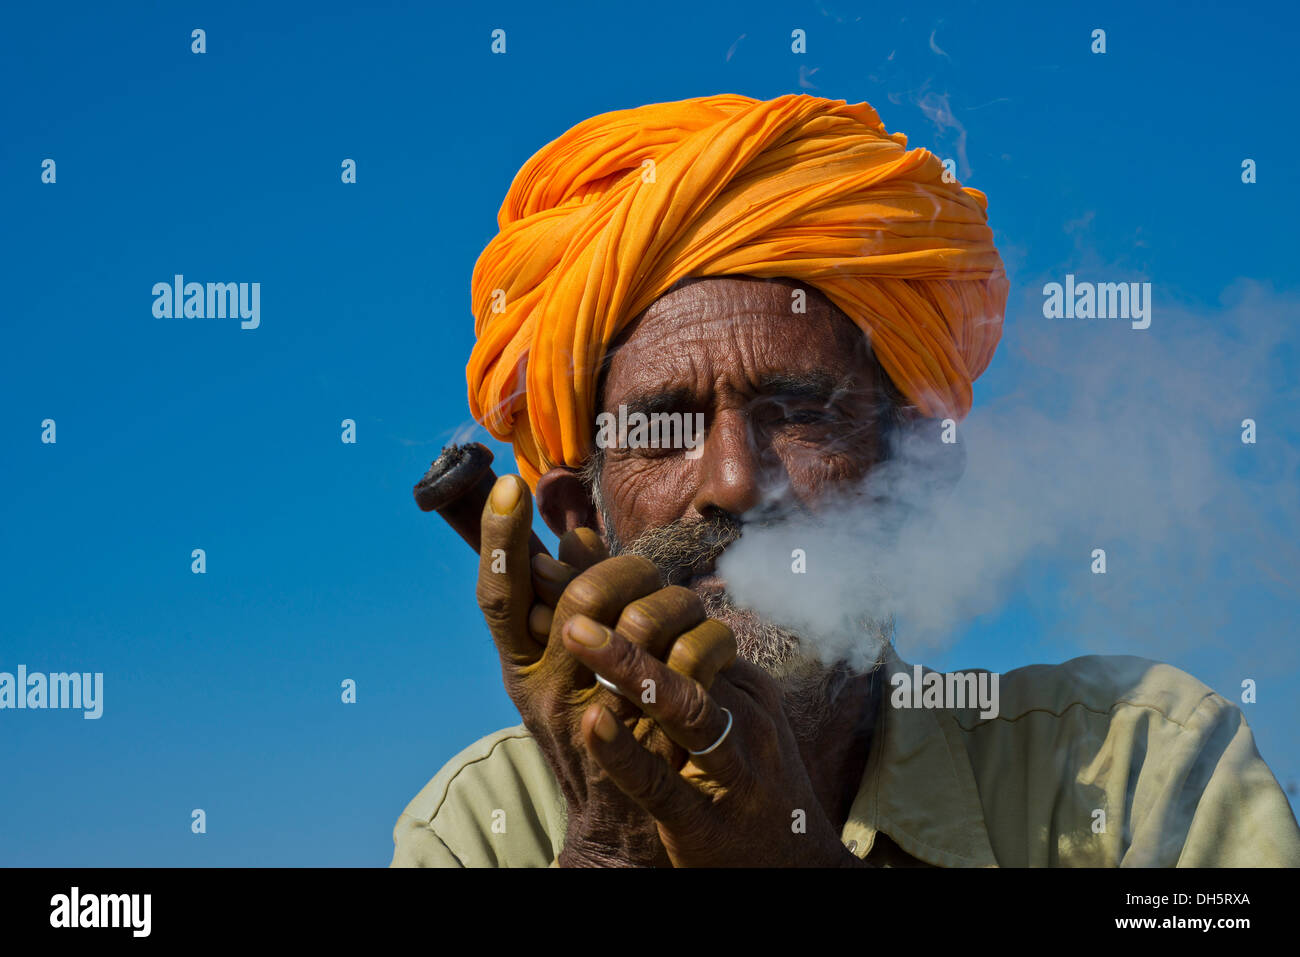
pixel 810 687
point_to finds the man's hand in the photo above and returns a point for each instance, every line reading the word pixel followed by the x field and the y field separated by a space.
pixel 529 605
pixel 749 801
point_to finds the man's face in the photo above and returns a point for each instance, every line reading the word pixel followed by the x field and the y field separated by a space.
pixel 794 404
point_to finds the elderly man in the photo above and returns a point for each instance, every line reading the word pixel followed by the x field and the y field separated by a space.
pixel 793 275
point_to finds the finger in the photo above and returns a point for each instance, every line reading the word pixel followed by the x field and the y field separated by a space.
pixel 655 620
pixel 604 590
pixel 599 593
pixel 644 777
pixel 550 578
pixel 539 623
pixel 504 592
pixel 581 548
pixel 703 651
pixel 678 704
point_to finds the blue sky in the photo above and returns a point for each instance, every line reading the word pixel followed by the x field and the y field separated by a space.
pixel 222 689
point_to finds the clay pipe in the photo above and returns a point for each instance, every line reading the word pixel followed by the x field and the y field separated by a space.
pixel 457 486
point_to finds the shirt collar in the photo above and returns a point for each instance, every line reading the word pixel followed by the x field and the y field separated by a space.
pixel 918 786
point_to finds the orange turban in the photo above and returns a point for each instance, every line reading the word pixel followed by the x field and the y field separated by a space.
pixel 605 219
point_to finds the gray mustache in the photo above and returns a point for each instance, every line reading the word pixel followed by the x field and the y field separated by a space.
pixel 683 548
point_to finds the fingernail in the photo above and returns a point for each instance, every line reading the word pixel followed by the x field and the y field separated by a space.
pixel 549 568
pixel 605 727
pixel 505 495
pixel 586 632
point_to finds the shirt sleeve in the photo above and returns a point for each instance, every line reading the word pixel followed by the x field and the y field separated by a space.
pixel 416 844
pixel 1212 801
pixel 495 804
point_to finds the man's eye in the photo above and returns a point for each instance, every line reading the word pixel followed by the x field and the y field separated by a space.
pixel 810 417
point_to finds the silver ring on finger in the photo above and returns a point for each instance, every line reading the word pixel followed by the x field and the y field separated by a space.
pixel 722 737
pixel 606 683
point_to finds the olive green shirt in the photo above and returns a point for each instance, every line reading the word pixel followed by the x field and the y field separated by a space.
pixel 1097 762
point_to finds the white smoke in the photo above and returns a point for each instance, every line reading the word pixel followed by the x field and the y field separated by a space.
pixel 1113 438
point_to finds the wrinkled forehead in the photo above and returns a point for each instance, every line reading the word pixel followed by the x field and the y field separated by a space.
pixel 734 332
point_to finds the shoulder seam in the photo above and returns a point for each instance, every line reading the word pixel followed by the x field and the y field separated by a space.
pixel 1080 704
pixel 447 789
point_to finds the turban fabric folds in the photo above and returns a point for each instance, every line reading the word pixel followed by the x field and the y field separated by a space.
pixel 604 220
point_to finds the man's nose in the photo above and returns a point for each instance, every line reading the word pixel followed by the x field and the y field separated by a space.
pixel 731 467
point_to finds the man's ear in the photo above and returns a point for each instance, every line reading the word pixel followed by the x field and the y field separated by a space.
pixel 564 504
